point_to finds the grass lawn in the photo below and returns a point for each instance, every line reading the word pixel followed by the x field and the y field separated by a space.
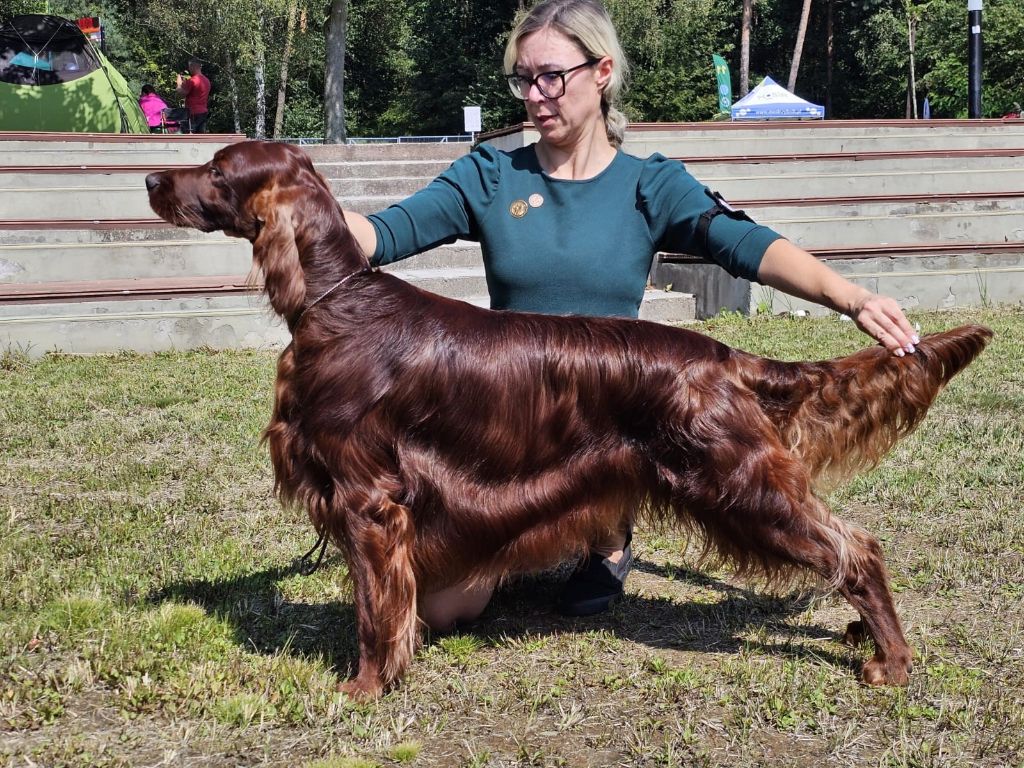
pixel 151 613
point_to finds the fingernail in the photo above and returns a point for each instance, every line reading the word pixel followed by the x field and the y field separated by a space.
pixel 916 339
pixel 899 353
pixel 910 348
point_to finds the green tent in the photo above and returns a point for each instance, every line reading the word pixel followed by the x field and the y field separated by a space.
pixel 52 78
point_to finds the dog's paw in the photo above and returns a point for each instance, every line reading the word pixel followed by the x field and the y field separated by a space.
pixel 887 672
pixel 360 690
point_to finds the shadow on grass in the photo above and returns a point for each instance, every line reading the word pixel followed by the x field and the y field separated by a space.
pixel 265 622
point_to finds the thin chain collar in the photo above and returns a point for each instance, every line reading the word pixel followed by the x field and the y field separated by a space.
pixel 329 291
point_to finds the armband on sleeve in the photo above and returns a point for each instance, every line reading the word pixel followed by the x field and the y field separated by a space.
pixel 719 206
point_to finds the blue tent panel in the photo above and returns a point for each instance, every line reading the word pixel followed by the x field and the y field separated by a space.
pixel 770 101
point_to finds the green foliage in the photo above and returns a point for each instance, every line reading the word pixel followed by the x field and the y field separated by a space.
pixel 378 68
pixel 411 65
pixel 456 51
pixel 882 56
pixel 669 50
pixel 943 49
pixel 18 7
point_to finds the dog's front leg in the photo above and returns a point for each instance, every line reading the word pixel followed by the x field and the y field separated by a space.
pixel 380 548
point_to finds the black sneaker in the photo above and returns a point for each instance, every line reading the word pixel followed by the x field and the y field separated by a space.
pixel 596 584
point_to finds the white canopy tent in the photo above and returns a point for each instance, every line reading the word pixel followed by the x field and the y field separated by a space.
pixel 770 101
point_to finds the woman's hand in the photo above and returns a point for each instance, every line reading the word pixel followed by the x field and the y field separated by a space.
pixel 881 318
pixel 790 268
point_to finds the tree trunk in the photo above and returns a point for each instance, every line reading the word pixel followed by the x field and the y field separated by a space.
pixel 748 15
pixel 911 39
pixel 334 85
pixel 293 8
pixel 233 86
pixel 830 54
pixel 260 74
pixel 799 47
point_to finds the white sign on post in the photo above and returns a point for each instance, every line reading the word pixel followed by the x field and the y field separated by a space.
pixel 472 119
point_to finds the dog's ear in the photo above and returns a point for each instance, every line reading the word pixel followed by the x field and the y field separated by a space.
pixel 275 252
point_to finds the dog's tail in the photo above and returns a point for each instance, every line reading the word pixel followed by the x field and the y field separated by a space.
pixel 842 416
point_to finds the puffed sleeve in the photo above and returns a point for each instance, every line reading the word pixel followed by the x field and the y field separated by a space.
pixel 447 209
pixel 673 201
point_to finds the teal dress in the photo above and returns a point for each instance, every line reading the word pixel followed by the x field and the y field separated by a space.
pixel 567 247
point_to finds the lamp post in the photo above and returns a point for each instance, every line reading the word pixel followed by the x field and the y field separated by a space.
pixel 974 59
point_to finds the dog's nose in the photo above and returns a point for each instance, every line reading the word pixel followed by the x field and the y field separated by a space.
pixel 152 181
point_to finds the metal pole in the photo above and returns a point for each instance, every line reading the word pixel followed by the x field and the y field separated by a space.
pixel 974 59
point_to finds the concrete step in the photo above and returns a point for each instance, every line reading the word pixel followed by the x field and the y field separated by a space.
pixel 811 142
pixel 367 204
pixel 110 195
pixel 734 180
pixel 101 233
pixel 462 254
pixel 53 255
pixel 801 137
pixel 936 276
pixel 870 207
pixel 142 259
pixel 86 200
pixel 376 169
pixel 391 187
pixel 149 325
pixel 854 166
pixel 773 182
pixel 453 282
pixel 435 151
pixel 932 281
pixel 31 181
pixel 90 200
pixel 825 226
pixel 214 322
pixel 158 152
pixel 752 131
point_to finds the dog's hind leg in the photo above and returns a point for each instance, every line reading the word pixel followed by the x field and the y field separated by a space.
pixel 379 548
pixel 866 587
pixel 763 515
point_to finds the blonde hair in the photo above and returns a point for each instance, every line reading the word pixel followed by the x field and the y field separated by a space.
pixel 587 24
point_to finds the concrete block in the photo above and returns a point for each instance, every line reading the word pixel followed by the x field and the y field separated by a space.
pixel 669 307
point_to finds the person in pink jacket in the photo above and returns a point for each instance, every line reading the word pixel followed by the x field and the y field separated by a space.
pixel 152 105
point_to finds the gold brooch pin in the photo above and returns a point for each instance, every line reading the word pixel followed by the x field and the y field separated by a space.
pixel 536 200
pixel 518 208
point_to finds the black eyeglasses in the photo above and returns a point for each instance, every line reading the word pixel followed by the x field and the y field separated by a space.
pixel 550 84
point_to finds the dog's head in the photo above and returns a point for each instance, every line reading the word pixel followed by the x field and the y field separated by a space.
pixel 237 192
pixel 263 191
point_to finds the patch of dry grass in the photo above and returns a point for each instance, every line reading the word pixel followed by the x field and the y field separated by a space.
pixel 151 613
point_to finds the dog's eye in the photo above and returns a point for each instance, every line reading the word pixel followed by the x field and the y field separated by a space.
pixel 215 172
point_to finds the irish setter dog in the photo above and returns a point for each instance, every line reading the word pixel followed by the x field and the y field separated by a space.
pixel 435 442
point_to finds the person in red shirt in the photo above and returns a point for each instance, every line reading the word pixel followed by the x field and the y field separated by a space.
pixel 196 90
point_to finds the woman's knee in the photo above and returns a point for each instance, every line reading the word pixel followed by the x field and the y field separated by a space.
pixel 461 602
